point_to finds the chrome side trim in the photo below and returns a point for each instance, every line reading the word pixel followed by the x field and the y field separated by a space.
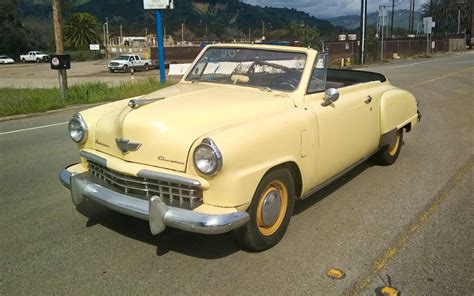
pixel 155 210
pixel 168 178
pixel 93 157
pixel 339 175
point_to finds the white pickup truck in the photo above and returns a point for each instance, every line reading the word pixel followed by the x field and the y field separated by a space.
pixel 34 56
pixel 126 62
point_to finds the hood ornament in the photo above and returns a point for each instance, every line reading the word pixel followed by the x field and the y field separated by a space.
pixel 137 103
pixel 126 146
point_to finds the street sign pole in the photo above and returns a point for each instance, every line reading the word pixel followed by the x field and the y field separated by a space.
pixel 161 51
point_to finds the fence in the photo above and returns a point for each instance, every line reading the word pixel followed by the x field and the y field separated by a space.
pixel 403 47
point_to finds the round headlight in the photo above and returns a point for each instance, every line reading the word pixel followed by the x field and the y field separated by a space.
pixel 207 158
pixel 78 129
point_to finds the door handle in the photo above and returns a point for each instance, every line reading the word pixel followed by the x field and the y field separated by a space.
pixel 368 100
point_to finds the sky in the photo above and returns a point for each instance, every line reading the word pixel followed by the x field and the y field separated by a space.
pixel 331 8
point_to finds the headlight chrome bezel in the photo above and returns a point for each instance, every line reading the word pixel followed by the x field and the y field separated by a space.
pixel 77 118
pixel 209 144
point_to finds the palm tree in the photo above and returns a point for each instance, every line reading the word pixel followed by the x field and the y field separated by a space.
pixel 80 30
pixel 444 13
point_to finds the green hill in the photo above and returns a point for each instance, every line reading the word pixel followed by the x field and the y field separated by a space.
pixel 223 17
pixel 400 19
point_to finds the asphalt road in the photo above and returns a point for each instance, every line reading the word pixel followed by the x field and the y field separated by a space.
pixel 409 225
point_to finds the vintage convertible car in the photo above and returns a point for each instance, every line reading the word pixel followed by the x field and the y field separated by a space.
pixel 249 129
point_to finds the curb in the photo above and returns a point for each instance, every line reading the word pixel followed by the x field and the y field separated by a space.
pixel 21 116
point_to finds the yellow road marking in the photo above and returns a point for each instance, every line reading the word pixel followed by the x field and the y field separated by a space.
pixel 403 239
pixel 441 77
pixel 336 274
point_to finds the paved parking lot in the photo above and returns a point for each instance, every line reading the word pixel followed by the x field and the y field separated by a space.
pixel 410 224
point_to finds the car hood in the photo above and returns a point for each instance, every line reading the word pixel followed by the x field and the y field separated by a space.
pixel 162 130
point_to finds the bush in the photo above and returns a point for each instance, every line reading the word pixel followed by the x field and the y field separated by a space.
pixel 85 55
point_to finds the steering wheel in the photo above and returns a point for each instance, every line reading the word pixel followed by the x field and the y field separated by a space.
pixel 286 84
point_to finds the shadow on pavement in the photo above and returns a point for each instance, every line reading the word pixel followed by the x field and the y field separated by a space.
pixel 191 244
pixel 302 205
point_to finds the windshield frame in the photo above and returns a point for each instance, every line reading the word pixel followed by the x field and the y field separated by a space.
pixel 188 79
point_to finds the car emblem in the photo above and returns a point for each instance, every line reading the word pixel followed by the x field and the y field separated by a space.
pixel 126 146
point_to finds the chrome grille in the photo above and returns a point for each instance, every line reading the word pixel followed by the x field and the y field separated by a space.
pixel 173 194
pixel 113 64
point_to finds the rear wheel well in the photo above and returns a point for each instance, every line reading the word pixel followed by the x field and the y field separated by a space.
pixel 295 173
pixel 407 127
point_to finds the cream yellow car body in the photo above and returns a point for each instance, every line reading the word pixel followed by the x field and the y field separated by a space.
pixel 256 130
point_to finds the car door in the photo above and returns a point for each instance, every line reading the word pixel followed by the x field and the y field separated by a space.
pixel 138 61
pixel 347 128
pixel 131 62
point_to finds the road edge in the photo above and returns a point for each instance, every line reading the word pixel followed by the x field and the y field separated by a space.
pixel 49 112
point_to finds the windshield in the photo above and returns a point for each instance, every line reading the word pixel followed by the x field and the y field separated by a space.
pixel 273 70
pixel 122 58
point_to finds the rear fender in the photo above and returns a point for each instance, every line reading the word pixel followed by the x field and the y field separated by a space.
pixel 397 109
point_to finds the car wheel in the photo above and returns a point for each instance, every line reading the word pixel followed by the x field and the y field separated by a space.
pixel 111 70
pixel 270 211
pixel 389 153
pixel 125 68
pixel 23 60
pixel 38 60
pixel 146 67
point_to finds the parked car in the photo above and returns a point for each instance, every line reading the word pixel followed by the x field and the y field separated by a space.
pixel 34 56
pixel 127 62
pixel 247 131
pixel 6 60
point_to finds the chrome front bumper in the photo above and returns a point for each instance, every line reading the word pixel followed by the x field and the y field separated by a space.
pixel 155 210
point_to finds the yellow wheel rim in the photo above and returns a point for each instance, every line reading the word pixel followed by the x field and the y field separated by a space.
pixel 274 187
pixel 392 150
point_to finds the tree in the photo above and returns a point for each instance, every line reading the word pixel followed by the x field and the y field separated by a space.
pixel 14 38
pixel 445 14
pixel 80 30
pixel 307 35
pixel 371 44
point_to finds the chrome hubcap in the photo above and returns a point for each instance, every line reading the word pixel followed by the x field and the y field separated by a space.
pixel 271 208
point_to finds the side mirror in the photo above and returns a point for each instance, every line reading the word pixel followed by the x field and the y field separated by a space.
pixel 330 96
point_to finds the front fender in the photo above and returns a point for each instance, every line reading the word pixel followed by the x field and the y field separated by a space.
pixel 397 109
pixel 251 149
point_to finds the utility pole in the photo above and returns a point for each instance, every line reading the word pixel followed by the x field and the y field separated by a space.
pixel 363 27
pixel 182 34
pixel 105 27
pixel 413 16
pixel 382 36
pixel 391 22
pixel 409 17
pixel 121 36
pixel 58 40
pixel 459 20
pixel 263 30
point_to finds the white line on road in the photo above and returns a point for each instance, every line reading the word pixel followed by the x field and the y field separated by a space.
pixel 32 128
pixel 418 63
